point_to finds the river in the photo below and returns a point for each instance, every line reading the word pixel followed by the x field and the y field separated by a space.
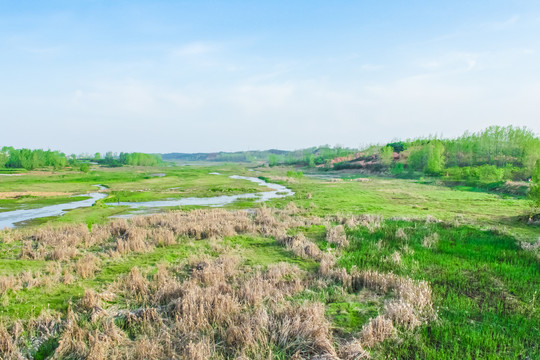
pixel 12 218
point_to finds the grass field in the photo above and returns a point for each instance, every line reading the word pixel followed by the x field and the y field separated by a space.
pixel 431 273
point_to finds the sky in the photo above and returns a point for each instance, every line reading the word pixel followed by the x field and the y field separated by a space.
pixel 203 76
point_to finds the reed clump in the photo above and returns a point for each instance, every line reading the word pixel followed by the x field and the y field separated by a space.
pixel 336 235
pixel 87 266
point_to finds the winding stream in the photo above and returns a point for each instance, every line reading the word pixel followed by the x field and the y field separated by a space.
pixel 278 191
pixel 11 218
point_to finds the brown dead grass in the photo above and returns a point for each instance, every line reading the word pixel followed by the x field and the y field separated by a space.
pixel 376 331
pixel 336 235
pixel 87 266
pixel 208 307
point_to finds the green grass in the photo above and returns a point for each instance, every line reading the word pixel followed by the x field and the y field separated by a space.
pixel 265 251
pixel 410 198
pixel 484 287
pixel 32 202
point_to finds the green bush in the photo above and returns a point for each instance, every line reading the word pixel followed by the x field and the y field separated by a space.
pixel 295 174
pixel 398 169
pixel 84 167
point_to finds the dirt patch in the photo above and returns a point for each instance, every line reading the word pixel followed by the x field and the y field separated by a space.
pixel 18 194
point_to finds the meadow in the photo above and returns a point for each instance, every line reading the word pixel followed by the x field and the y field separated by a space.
pixel 350 267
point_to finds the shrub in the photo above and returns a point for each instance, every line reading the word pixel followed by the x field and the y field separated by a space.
pixel 295 174
pixel 84 167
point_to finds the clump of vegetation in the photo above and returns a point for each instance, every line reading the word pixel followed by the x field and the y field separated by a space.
pixel 336 235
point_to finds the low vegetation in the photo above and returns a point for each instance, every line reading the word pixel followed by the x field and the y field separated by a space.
pixel 200 285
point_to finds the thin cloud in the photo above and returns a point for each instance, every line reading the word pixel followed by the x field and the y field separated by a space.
pixel 371 67
pixel 195 49
pixel 451 62
pixel 504 24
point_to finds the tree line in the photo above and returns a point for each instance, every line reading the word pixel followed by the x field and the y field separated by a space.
pixel 11 158
pixel 31 159
pixel 494 154
pixel 135 159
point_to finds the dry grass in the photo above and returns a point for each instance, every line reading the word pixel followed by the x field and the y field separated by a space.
pixel 531 247
pixel 402 313
pixel 163 237
pixel 430 241
pixel 303 328
pixel 207 307
pixel 301 246
pixel 400 234
pixel 8 348
pixel 18 194
pixel 395 258
pixel 336 235
pixel 376 331
pixel 353 350
pixel 87 266
pixel 371 222
pixel 8 282
pixel 221 299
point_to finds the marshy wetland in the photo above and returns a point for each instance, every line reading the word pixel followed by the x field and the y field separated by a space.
pixel 335 267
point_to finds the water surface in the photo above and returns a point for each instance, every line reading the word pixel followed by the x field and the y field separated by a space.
pixel 12 218
pixel 278 191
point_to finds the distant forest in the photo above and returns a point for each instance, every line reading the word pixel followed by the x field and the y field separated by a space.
pixel 11 158
pixel 494 154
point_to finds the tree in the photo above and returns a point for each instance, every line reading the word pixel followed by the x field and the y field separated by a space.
pixel 435 159
pixel 416 158
pixel 387 155
pixel 534 192
pixel 272 160
pixel 3 159
pixel 84 167
pixel 311 161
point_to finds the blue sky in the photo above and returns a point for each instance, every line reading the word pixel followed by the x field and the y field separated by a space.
pixel 189 76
